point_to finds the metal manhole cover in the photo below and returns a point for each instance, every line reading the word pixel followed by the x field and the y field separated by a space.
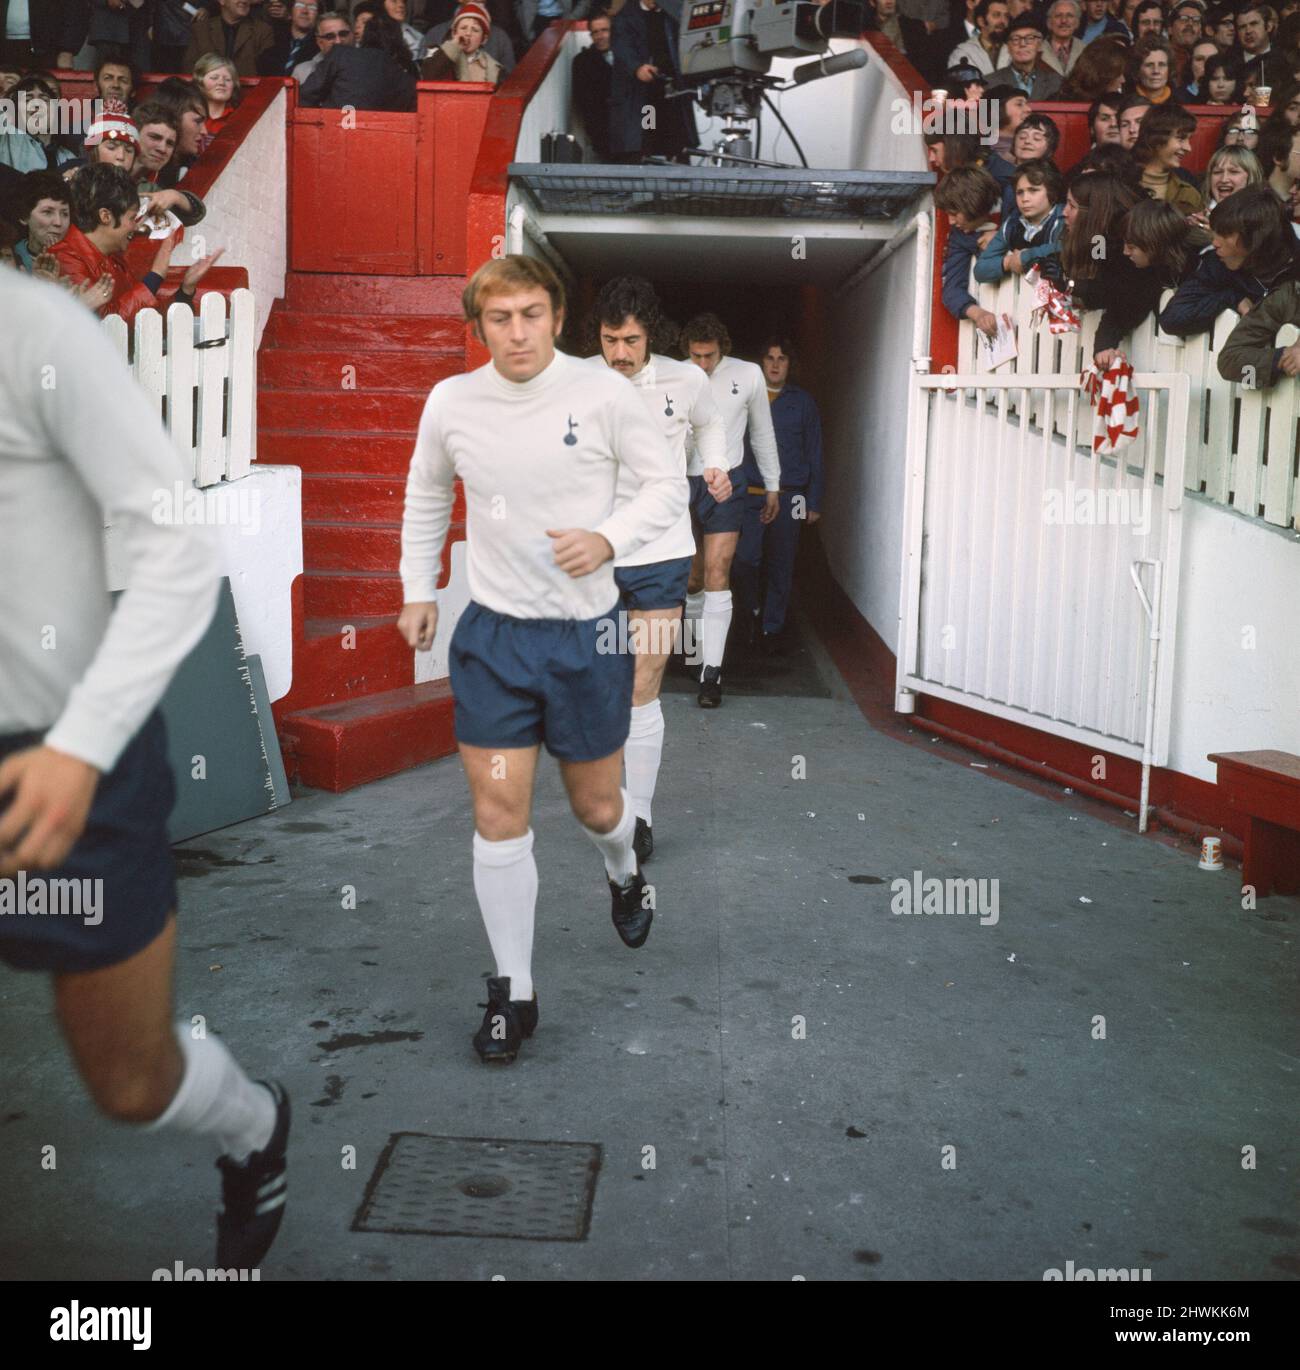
pixel 481 1187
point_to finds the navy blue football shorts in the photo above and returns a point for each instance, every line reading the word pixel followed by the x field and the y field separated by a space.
pixel 518 682
pixel 656 585
pixel 708 516
pixel 111 895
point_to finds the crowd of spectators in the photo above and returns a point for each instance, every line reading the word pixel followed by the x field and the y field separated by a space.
pixel 73 198
pixel 1120 227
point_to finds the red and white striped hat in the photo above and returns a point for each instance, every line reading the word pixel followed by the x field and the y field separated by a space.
pixel 472 10
pixel 113 123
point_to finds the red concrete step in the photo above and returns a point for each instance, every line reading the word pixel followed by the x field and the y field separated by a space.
pixel 361 498
pixel 336 546
pixel 346 658
pixel 328 545
pixel 393 411
pixel 377 454
pixel 336 294
pixel 327 594
pixel 339 746
pixel 289 329
pixel 357 369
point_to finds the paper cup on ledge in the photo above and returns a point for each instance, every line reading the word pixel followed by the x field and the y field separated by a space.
pixel 1263 96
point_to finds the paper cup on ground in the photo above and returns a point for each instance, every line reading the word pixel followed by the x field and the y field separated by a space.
pixel 1211 854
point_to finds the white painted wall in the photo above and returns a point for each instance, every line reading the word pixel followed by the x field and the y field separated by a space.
pixel 248 211
pixel 258 522
pixel 869 344
pixel 1240 580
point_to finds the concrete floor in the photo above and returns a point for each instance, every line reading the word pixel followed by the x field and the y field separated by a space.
pixel 775 1156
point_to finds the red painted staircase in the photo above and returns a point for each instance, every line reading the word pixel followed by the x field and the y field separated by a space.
pixel 345 366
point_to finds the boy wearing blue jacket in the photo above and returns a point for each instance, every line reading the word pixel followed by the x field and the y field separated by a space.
pixel 968 196
pixel 1253 252
pixel 1031 233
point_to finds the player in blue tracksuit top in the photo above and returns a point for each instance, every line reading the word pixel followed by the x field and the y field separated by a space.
pixel 770 544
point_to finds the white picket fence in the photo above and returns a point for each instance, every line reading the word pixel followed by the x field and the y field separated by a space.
pixel 1241 445
pixel 201 373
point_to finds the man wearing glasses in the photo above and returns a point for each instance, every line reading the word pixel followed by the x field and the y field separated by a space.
pixel 331 28
pixel 1025 73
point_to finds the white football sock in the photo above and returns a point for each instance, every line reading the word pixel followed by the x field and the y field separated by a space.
pixel 641 756
pixel 616 845
pixel 716 622
pixel 691 626
pixel 505 880
pixel 216 1099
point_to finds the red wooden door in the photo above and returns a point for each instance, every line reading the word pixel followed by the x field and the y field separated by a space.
pixel 354 192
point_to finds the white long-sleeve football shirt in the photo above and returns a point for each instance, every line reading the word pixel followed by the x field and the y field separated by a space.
pixel 679 399
pixel 81 447
pixel 740 393
pixel 535 455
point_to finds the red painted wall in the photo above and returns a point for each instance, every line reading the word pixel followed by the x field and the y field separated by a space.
pixel 373 192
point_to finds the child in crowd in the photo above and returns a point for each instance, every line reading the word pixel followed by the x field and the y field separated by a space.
pixel 1030 234
pixel 1220 84
pixel 1036 138
pixel 1093 261
pixel 1163 142
pixel 1253 252
pixel 1157 243
pixel 968 196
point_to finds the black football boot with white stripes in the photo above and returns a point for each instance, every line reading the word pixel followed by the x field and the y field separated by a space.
pixel 253 1192
pixel 643 841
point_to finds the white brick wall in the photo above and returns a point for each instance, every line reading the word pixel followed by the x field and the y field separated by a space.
pixel 248 211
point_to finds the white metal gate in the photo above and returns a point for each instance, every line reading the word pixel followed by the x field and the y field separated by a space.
pixel 1029 563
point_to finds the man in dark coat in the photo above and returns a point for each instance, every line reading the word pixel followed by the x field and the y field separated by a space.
pixel 645 55
pixel 53 28
pixel 593 70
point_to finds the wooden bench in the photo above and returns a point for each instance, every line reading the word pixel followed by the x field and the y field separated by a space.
pixel 1264 787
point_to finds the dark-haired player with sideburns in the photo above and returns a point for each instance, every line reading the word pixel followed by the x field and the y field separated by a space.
pixel 628 321
pixel 538 440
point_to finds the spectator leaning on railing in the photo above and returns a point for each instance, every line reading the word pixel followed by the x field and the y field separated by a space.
pixel 968 196
pixel 1030 234
pixel 1254 251
pixel 1157 243
pixel 1093 263
pixel 1251 356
